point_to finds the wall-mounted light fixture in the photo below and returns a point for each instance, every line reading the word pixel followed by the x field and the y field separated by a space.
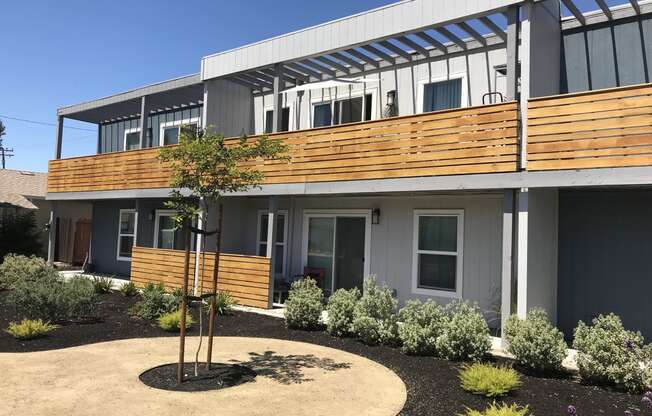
pixel 391 109
pixel 391 97
pixel 150 217
pixel 375 216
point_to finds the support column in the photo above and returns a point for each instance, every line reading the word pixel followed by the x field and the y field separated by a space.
pixel 59 138
pixel 523 203
pixel 144 112
pixel 513 29
pixel 52 233
pixel 271 245
pixel 99 138
pixel 508 255
pixel 278 98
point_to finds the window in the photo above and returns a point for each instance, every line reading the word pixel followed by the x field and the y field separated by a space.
pixel 350 110
pixel 166 235
pixel 285 120
pixel 132 140
pixel 281 238
pixel 437 262
pixel 126 233
pixel 171 131
pixel 442 95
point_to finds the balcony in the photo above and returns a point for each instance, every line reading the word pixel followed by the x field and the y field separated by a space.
pixel 479 139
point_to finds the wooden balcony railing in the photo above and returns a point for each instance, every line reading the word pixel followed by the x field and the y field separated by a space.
pixel 596 129
pixel 468 140
pixel 246 278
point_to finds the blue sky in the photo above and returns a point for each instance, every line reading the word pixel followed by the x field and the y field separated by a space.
pixel 55 53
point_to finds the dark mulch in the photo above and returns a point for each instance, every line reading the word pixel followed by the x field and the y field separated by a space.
pixel 432 384
pixel 219 376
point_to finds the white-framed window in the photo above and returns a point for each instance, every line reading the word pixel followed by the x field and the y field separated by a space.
pixel 281 239
pixel 127 226
pixel 132 139
pixel 438 246
pixel 269 119
pixel 344 108
pixel 171 130
pixel 445 93
pixel 166 235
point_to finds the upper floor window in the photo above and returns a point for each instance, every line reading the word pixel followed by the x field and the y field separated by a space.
pixel 349 110
pixel 171 130
pixel 132 139
pixel 442 95
pixel 285 120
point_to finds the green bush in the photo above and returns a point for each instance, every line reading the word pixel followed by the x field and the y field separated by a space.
pixel 535 343
pixel 156 302
pixel 498 410
pixel 18 267
pixel 375 320
pixel 224 303
pixel 128 289
pixel 421 324
pixel 304 305
pixel 30 329
pixel 489 381
pixel 171 321
pixel 610 354
pixel 340 311
pixel 102 284
pixel 465 335
pixel 19 234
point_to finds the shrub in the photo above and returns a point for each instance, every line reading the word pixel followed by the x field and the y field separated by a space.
pixel 487 380
pixel 102 284
pixel 374 317
pixel 304 305
pixel 498 410
pixel 51 298
pixel 128 289
pixel 224 303
pixel 17 267
pixel 610 354
pixel 421 324
pixel 156 302
pixel 171 321
pixel 30 329
pixel 340 311
pixel 465 335
pixel 19 234
pixel 535 343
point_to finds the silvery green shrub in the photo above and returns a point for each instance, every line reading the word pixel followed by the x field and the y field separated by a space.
pixel 375 320
pixel 421 324
pixel 17 267
pixel 304 305
pixel 340 311
pixel 534 342
pixel 610 354
pixel 465 335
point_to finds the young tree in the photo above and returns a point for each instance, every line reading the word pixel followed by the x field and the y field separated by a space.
pixel 208 166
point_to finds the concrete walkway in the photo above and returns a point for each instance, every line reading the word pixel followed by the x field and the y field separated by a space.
pixel 294 378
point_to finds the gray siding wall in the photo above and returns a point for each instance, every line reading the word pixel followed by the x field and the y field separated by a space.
pixel 607 55
pixel 112 135
pixel 604 257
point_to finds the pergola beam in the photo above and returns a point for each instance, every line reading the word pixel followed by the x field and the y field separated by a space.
pixel 636 6
pixel 332 64
pixel 432 41
pixel 361 56
pixel 350 61
pixel 451 36
pixel 379 53
pixel 493 27
pixel 605 9
pixel 318 67
pixel 472 32
pixel 255 80
pixel 305 70
pixel 575 11
pixel 391 47
pixel 412 44
pixel 239 82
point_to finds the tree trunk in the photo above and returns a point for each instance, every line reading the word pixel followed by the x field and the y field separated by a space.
pixel 184 304
pixel 211 320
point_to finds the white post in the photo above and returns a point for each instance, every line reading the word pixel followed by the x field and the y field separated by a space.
pixel 199 244
pixel 271 245
pixel 52 233
pixel 522 253
pixel 278 98
pixel 508 252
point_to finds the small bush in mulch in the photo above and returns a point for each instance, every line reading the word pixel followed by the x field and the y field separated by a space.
pixel 498 410
pixel 375 319
pixel 17 267
pixel 422 323
pixel 155 301
pixel 304 305
pixel 465 335
pixel 219 376
pixel 340 309
pixel 489 381
pixel 102 284
pixel 224 303
pixel 128 289
pixel 171 321
pixel 30 329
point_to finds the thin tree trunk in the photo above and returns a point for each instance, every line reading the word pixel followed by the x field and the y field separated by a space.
pixel 211 320
pixel 184 304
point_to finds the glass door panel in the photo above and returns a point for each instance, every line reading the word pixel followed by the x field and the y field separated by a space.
pixel 349 252
pixel 321 244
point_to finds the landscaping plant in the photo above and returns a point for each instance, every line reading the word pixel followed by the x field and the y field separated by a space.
pixel 223 303
pixel 498 410
pixel 488 380
pixel 610 354
pixel 17 267
pixel 102 284
pixel 128 289
pixel 19 234
pixel 465 335
pixel 155 302
pixel 304 305
pixel 535 343
pixel 340 309
pixel 421 324
pixel 171 321
pixel 30 329
pixel 375 320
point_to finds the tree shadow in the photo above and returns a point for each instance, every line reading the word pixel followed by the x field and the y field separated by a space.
pixel 288 369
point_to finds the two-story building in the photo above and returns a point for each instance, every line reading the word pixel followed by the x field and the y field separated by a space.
pixel 490 150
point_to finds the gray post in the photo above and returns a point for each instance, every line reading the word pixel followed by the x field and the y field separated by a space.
pixel 59 138
pixel 278 98
pixel 513 29
pixel 99 138
pixel 522 253
pixel 144 112
pixel 271 245
pixel 52 233
pixel 508 254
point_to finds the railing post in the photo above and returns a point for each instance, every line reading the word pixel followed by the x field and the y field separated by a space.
pixel 271 245
pixel 144 112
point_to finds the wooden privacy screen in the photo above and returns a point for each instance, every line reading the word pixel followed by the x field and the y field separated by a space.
pixel 246 278
pixel 468 140
pixel 608 128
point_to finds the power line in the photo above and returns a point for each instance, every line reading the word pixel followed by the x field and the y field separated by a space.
pixel 44 123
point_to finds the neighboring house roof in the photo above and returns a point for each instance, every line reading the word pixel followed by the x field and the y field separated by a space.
pixel 18 187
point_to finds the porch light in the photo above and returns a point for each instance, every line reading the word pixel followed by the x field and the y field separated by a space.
pixel 391 97
pixel 375 216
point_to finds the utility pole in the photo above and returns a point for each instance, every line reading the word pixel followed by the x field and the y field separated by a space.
pixel 4 152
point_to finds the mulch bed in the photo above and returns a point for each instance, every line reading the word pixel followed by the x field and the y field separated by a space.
pixel 432 384
pixel 219 376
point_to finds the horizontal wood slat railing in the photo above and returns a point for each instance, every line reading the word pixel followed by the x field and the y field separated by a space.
pixel 596 129
pixel 479 139
pixel 246 278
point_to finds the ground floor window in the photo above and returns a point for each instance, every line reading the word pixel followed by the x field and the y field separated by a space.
pixel 438 245
pixel 281 239
pixel 166 235
pixel 126 233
